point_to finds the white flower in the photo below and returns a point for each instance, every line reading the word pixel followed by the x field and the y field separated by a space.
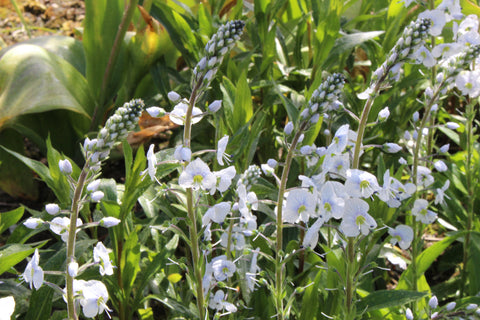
pixel 197 175
pixel 93 297
pixel 253 271
pixel 155 112
pixel 396 260
pixel 394 191
pixel 215 106
pixel 7 305
pixel 356 219
pixel 61 226
pixel 33 273
pixel 224 179
pixel 65 167
pixel 339 141
pixel 217 213
pixel 440 196
pixel 182 153
pixel 365 94
pixel 179 113
pixel 468 83
pixel 237 241
pixel 101 257
pixel 151 163
pixel 420 211
pixel 246 201
pixel 360 183
pixel 52 208
pixel 221 147
pixel 423 55
pixel 438 19
pixel 97 196
pixel 108 222
pixel 424 176
pixel 33 223
pixel 336 164
pixel 300 205
pixel 433 302
pixel 331 205
pixel 311 236
pixel 403 235
pixel 222 268
pixel 452 9
pixel 218 302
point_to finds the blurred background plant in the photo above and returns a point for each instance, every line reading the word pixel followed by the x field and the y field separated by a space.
pixel 65 87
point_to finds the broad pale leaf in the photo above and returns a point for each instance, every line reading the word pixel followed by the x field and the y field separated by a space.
pixel 34 80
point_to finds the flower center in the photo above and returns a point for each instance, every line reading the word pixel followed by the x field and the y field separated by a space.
pixel 364 184
pixel 360 220
pixel 327 207
pixel 302 208
pixel 197 179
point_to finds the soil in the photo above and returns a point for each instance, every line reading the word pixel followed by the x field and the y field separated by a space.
pixel 42 17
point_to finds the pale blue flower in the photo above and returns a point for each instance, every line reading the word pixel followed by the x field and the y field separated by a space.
pixel 33 273
pixel 421 212
pixel 197 175
pixel 101 257
pixel 300 205
pixel 356 219
pixel 403 235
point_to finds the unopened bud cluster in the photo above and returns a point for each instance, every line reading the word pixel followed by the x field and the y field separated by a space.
pixel 411 39
pixel 324 98
pixel 454 65
pixel 216 49
pixel 116 129
pixel 250 176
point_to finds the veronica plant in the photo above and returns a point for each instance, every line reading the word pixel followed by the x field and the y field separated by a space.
pixel 92 295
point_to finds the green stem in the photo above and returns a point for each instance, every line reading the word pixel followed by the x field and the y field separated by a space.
pixel 75 208
pixel 279 241
pixel 470 115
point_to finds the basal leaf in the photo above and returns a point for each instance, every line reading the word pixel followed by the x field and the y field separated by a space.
pixel 34 80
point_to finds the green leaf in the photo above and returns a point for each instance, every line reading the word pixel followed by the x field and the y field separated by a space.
pixel 388 298
pixel 67 48
pixel 12 254
pixel 9 218
pixel 130 263
pixel 34 80
pixel 473 262
pixel 102 21
pixel 44 173
pixel 425 260
pixel 40 307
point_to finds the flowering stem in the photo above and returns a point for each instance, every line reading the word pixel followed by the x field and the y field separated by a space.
pixel 192 228
pixel 71 238
pixel 470 115
pixel 283 184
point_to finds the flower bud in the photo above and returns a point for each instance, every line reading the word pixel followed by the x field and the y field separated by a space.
pixel 65 167
pixel 108 222
pixel 288 128
pixel 156 112
pixel 215 106
pixel 93 186
pixel 452 125
pixel 391 147
pixel 433 303
pixel 73 269
pixel 33 223
pixel 173 96
pixel 383 114
pixel 52 208
pixel 272 163
pixel 450 306
pixel 97 196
